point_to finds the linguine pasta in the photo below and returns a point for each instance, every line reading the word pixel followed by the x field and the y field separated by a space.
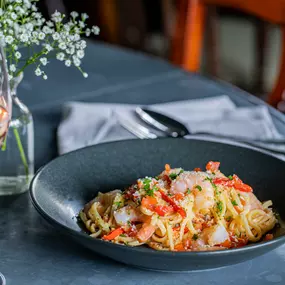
pixel 181 211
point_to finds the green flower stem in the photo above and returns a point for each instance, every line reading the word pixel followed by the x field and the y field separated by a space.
pixel 4 145
pixel 22 152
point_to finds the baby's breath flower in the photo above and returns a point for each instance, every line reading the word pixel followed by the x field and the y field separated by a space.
pixel 83 44
pixel 82 24
pixel 9 22
pixel 68 63
pixel 38 72
pixel 62 46
pixel 60 56
pixel 12 68
pixel 56 17
pixel 55 36
pixel 50 24
pixel 29 26
pixel 9 39
pixel 18 55
pixel 76 61
pixel 43 60
pixel 34 8
pixel 84 16
pixel 87 32
pixel 14 16
pixel 72 50
pixel 74 14
pixel 80 54
pixel 24 38
pixel 47 30
pixel 22 24
pixel 95 30
pixel 42 35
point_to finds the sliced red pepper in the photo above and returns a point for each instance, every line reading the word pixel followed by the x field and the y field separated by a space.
pixel 132 231
pixel 176 208
pixel 149 202
pixel 213 166
pixel 179 247
pixel 178 196
pixel 236 183
pixel 238 242
pixel 268 237
pixel 163 210
pixel 167 167
pixel 113 234
pixel 186 230
pixel 227 243
pixel 197 169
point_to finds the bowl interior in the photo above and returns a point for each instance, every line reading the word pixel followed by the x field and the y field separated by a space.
pixel 62 187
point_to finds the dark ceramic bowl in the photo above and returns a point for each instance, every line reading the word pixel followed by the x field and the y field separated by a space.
pixel 62 187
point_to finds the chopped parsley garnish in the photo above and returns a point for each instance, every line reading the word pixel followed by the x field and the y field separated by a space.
pixel 230 177
pixel 213 185
pixel 229 218
pixel 198 187
pixel 118 204
pixel 173 176
pixel 188 191
pixel 149 192
pixel 195 237
pixel 129 223
pixel 234 203
pixel 155 188
pixel 146 186
pixel 122 235
pixel 156 177
pixel 219 207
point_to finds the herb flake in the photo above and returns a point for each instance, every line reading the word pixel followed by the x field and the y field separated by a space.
pixel 173 176
pixel 213 185
pixel 229 218
pixel 219 207
pixel 234 203
pixel 118 204
pixel 198 187
pixel 195 237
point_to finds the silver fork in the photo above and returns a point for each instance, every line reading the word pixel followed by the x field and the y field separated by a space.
pixel 136 129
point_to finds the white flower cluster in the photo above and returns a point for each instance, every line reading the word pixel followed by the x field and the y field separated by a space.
pixel 22 25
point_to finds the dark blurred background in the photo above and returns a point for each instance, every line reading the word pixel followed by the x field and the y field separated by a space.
pixel 244 51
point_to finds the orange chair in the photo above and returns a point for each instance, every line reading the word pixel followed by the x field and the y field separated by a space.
pixel 190 27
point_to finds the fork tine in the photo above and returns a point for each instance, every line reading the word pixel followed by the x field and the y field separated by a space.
pixel 132 130
pixel 136 129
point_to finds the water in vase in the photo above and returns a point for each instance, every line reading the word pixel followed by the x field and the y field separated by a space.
pixel 16 153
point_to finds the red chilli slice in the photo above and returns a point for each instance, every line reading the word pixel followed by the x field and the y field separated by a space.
pixel 176 208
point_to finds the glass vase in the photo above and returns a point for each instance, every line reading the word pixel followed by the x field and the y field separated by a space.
pixel 16 138
pixel 17 152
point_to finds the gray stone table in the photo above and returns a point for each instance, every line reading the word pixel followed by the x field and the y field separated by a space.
pixel 32 252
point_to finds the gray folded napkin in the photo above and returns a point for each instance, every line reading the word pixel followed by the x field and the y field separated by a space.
pixel 85 124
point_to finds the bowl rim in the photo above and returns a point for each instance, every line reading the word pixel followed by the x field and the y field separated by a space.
pixel 251 247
